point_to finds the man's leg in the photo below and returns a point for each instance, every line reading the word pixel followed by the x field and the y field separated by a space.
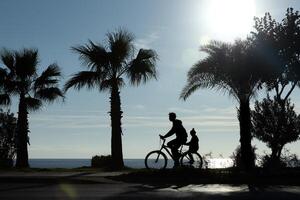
pixel 175 152
pixel 191 157
pixel 174 145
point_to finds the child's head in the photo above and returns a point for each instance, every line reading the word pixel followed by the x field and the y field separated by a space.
pixel 193 132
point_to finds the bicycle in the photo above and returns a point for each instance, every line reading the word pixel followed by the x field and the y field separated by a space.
pixel 157 159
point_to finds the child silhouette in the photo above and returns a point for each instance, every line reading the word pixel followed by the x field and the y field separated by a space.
pixel 193 144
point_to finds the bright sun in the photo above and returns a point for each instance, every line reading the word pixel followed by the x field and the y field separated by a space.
pixel 230 18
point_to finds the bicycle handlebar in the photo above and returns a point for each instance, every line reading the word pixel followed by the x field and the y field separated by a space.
pixel 161 137
pixel 163 141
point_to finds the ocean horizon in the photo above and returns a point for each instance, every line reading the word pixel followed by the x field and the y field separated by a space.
pixel 137 163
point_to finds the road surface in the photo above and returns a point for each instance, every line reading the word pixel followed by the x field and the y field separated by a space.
pixel 77 186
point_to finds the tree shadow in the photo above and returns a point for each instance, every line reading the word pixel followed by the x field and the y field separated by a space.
pixel 41 182
pixel 179 192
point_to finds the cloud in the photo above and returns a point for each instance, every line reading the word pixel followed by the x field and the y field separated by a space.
pixel 70 120
pixel 182 110
pixel 139 107
pixel 65 151
pixel 209 120
pixel 147 41
pixel 82 122
pixel 231 110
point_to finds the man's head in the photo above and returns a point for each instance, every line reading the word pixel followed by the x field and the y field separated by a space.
pixel 172 116
pixel 193 132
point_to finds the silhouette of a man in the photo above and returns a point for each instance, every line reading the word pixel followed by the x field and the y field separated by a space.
pixel 181 137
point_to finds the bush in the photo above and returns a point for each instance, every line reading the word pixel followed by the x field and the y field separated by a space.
pixel 286 160
pixel 7 139
pixel 237 156
pixel 268 163
pixel 291 160
pixel 206 160
pixel 102 162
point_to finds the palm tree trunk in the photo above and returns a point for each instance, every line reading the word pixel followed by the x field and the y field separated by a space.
pixel 116 129
pixel 22 134
pixel 247 154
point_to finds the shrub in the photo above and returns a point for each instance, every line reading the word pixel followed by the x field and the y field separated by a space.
pixel 102 161
pixel 268 163
pixel 206 160
pixel 7 138
pixel 237 156
pixel 286 160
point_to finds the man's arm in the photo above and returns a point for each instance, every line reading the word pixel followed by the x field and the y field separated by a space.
pixel 171 132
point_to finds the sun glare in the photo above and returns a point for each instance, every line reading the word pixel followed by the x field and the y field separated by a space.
pixel 230 19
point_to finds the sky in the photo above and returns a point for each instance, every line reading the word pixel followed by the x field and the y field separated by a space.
pixel 79 127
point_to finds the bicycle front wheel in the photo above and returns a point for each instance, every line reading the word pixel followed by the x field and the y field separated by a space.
pixel 193 160
pixel 156 160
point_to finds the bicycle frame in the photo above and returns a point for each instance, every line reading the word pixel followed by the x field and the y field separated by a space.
pixel 163 146
pixel 166 148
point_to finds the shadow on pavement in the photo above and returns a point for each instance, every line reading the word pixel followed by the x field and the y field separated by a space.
pixel 237 192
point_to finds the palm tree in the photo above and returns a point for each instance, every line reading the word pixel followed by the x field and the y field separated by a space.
pixel 107 68
pixel 231 68
pixel 19 78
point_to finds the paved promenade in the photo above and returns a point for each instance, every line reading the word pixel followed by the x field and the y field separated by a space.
pixel 82 185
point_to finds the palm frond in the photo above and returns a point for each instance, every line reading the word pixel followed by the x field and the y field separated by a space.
pixel 89 79
pixel 188 89
pixel 7 85
pixel 49 94
pixel 142 68
pixel 8 59
pixel 215 47
pixel 33 103
pixel 93 55
pixel 26 62
pixel 204 80
pixel 12 86
pixel 49 77
pixel 108 83
pixel 120 44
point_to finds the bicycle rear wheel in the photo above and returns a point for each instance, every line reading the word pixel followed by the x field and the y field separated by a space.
pixel 156 160
pixel 194 162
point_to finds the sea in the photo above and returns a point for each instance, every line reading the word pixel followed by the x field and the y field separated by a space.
pixel 132 163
